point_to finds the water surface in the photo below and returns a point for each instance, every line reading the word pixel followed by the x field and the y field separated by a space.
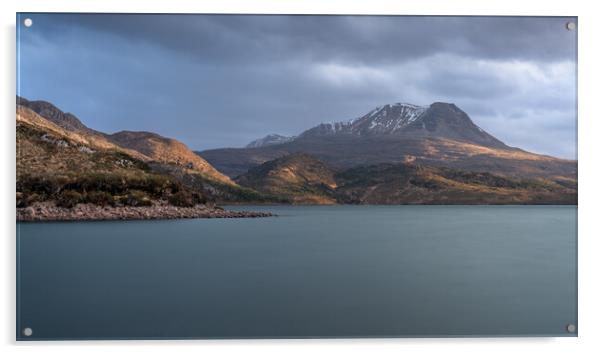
pixel 313 271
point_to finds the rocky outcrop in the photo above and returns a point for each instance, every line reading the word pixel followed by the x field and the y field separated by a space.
pixel 48 211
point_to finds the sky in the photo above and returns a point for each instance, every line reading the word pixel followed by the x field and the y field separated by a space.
pixel 216 81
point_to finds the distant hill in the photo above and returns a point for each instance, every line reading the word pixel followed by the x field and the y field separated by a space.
pixel 303 179
pixel 439 135
pixel 411 183
pixel 271 139
pixel 298 177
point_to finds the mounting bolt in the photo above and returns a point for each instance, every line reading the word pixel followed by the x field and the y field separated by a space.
pixel 571 25
pixel 571 328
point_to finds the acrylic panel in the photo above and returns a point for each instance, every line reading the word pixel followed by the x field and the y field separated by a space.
pixel 194 176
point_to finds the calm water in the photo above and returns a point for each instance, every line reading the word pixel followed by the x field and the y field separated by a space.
pixel 312 271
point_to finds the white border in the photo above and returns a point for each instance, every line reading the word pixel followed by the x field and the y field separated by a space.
pixel 590 130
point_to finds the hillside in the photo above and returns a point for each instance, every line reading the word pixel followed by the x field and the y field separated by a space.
pixel 70 165
pixel 168 151
pixel 297 177
pixel 144 145
pixel 306 180
pixel 410 183
pixel 62 119
pixel 55 164
pixel 440 135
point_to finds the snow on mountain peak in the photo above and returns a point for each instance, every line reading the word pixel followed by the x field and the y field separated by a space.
pixel 381 120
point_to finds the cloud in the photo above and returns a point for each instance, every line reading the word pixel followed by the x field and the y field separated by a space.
pixel 215 81
pixel 355 39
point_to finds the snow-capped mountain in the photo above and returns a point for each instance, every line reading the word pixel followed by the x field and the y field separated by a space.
pixel 271 139
pixel 442 120
pixel 386 119
pixel 440 134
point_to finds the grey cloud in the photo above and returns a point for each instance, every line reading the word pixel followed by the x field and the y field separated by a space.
pixel 465 82
pixel 216 81
pixel 363 39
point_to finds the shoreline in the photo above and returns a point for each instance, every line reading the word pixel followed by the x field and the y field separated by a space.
pixel 47 211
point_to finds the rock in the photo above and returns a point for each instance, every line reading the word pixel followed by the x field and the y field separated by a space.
pixel 159 210
pixel 86 150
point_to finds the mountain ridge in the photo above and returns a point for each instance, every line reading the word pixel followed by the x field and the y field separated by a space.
pixel 440 134
pixel 150 145
pixel 398 118
pixel 49 111
pixel 394 154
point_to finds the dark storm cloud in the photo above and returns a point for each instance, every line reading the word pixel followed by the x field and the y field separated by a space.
pixel 364 39
pixel 215 81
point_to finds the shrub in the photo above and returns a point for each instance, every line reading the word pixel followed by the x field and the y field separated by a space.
pixel 118 184
pixel 24 200
pixel 68 199
pixel 136 198
pixel 39 185
pixel 99 198
pixel 111 183
pixel 21 200
pixel 181 199
pixel 33 197
pixel 185 198
pixel 424 183
pixel 199 198
pixel 154 184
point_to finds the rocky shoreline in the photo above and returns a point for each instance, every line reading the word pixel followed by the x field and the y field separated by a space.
pixel 48 211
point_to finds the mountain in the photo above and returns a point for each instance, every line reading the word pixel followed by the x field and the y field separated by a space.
pixel 387 119
pixel 298 177
pixel 439 120
pixel 440 135
pixel 304 179
pixel 271 139
pixel 142 145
